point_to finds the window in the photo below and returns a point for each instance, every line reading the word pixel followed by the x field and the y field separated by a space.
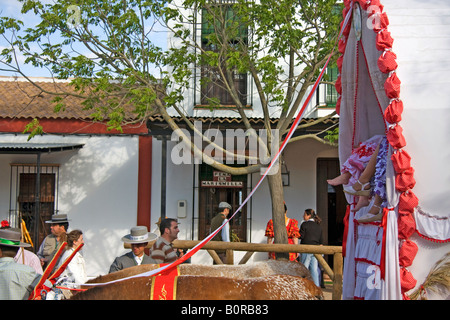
pixel 23 196
pixel 331 93
pixel 213 83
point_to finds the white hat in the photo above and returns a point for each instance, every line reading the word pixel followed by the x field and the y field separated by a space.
pixel 139 234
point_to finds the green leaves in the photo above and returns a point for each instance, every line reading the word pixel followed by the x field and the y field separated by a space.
pixel 111 52
pixel 33 128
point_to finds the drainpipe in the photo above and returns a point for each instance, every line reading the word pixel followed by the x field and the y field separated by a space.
pixel 37 200
pixel 163 176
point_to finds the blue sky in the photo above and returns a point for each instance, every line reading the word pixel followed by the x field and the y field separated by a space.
pixel 12 8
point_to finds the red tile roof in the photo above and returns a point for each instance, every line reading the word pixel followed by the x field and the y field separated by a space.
pixel 22 99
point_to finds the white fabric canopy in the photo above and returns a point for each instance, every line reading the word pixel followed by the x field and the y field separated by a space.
pixel 371 104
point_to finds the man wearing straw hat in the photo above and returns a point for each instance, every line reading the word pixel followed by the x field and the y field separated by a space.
pixel 138 238
pixel 16 280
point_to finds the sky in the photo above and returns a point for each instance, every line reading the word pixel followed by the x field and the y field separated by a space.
pixel 12 8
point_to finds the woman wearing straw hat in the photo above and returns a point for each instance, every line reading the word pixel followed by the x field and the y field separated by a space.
pixel 138 238
pixel 16 280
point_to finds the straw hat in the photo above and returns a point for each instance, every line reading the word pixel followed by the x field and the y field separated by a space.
pixel 139 234
pixel 11 238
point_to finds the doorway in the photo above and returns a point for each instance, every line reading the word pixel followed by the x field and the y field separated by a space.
pixel 331 202
pixel 215 187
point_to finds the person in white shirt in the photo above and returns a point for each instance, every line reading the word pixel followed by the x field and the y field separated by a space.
pixel 76 269
pixel 75 272
pixel 29 258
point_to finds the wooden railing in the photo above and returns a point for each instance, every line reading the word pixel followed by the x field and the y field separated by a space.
pixel 335 274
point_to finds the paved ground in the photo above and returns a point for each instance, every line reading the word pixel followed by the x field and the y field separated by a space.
pixel 328 290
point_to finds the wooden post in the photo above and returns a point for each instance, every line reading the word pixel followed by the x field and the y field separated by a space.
pixel 325 266
pixel 215 256
pixel 246 257
pixel 229 256
pixel 338 276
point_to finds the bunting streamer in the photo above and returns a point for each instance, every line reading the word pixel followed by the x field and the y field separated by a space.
pixel 272 163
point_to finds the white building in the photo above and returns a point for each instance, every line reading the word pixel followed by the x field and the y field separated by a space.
pixel 99 178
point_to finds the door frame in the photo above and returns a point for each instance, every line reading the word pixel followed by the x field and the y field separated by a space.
pixel 330 201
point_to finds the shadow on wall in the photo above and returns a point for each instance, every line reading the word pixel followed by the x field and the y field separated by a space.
pixel 98 190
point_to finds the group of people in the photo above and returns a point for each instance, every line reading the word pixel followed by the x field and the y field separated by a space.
pixel 162 250
pixel 21 269
pixel 309 232
pixel 24 268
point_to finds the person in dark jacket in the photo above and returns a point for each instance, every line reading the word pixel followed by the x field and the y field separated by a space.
pixel 311 233
pixel 225 233
pixel 138 239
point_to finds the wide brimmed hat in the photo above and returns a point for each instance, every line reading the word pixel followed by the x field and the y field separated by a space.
pixel 139 234
pixel 58 218
pixel 11 238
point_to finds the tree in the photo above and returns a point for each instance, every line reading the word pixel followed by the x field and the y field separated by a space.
pixel 281 45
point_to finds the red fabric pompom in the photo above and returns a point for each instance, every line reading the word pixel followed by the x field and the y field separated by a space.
pixel 407 202
pixel 407 253
pixel 407 281
pixel 393 112
pixel 338 85
pixel 405 180
pixel 395 137
pixel 401 161
pixel 338 105
pixel 5 224
pixel 392 86
pixel 341 45
pixel 380 22
pixel 406 226
pixel 386 62
pixel 384 40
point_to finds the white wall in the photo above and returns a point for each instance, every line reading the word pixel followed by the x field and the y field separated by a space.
pixel 97 189
pixel 421 33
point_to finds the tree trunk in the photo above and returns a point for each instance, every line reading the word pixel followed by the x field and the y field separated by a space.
pixel 279 224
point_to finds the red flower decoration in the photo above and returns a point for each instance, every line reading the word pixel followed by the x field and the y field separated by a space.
pixel 5 224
